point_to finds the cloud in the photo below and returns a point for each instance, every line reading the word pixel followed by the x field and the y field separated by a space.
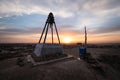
pixel 20 7
pixel 8 30
pixel 62 8
pixel 23 17
pixel 108 29
pixel 108 26
pixel 79 11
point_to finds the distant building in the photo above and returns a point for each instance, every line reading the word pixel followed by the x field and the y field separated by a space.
pixel 80 44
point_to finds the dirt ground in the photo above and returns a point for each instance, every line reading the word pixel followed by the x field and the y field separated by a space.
pixel 108 67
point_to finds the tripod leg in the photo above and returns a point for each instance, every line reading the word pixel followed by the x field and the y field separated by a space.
pixel 42 33
pixel 46 33
pixel 57 33
pixel 51 26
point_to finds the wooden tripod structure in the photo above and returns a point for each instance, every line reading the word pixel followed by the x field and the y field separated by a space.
pixel 49 24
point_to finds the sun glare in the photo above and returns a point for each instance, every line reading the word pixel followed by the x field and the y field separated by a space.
pixel 67 40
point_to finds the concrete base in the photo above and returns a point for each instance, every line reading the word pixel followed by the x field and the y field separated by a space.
pixel 30 59
pixel 47 49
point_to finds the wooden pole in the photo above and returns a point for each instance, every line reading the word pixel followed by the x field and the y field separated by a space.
pixel 51 26
pixel 57 33
pixel 85 38
pixel 46 33
pixel 42 32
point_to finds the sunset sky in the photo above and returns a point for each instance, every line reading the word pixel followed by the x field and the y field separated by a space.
pixel 22 21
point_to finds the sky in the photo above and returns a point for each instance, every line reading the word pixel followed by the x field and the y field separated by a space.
pixel 22 21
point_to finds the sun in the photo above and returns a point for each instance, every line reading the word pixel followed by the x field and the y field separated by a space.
pixel 67 40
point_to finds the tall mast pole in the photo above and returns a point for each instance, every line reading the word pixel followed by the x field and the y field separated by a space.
pixel 85 38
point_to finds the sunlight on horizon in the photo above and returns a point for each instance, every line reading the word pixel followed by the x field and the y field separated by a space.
pixel 67 40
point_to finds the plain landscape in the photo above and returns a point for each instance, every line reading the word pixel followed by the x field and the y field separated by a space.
pixel 107 56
